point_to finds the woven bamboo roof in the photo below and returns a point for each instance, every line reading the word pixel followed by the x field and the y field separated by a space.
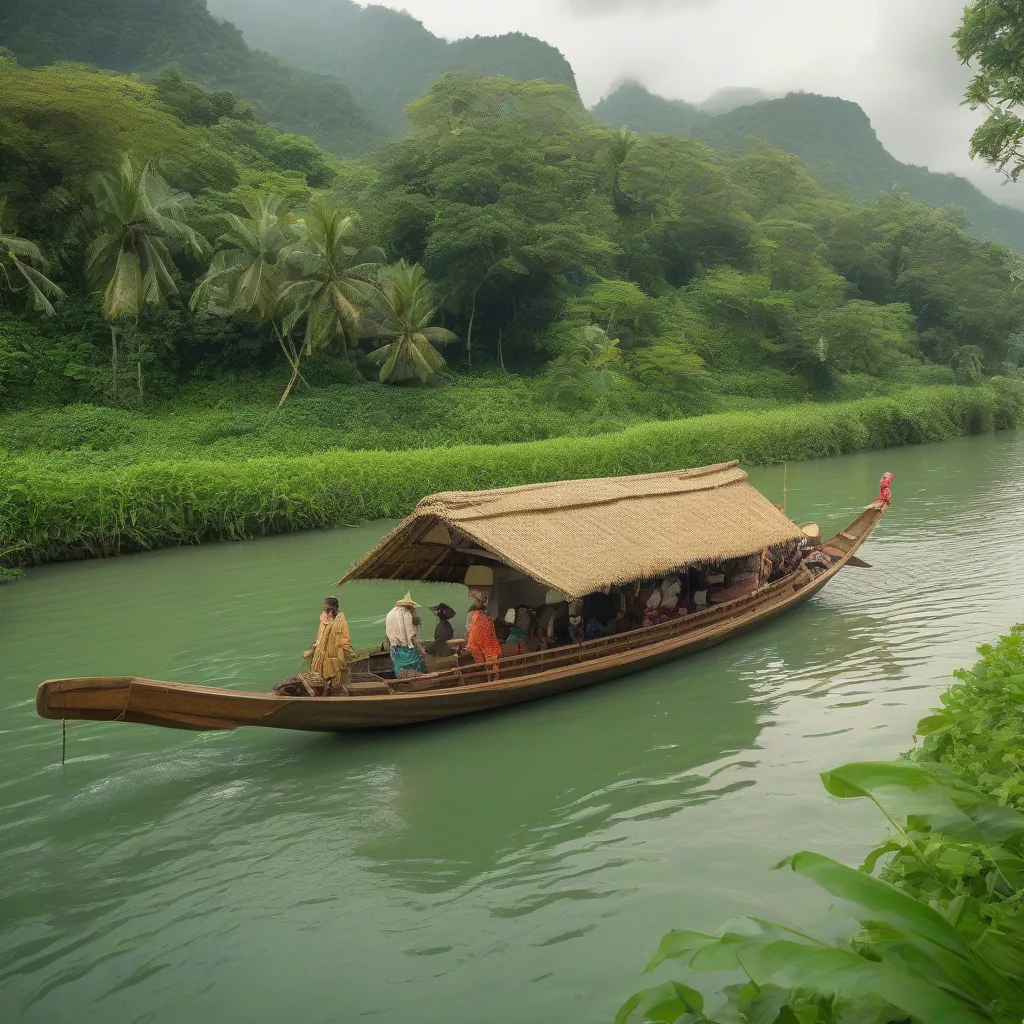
pixel 577 536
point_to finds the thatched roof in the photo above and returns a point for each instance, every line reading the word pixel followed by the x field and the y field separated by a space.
pixel 576 536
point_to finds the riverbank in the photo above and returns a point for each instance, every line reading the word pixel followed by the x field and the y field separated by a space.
pixel 54 509
pixel 943 939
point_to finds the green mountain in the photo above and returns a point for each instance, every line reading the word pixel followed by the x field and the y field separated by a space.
pixel 145 35
pixel 387 57
pixel 834 137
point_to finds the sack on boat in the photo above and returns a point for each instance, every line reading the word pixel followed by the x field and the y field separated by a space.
pixel 296 686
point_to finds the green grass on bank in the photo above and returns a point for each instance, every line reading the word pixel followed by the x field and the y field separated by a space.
pixel 222 421
pixel 239 420
pixel 51 509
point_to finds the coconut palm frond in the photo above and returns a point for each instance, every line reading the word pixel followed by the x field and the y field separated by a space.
pixel 438 335
pixel 21 258
pixel 426 354
pixel 122 296
pixel 44 293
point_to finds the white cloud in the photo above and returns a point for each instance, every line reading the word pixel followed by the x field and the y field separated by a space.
pixel 599 7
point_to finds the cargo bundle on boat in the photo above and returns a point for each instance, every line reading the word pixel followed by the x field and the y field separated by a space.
pixel 552 548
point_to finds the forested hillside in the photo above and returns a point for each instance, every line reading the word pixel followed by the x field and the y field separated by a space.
pixel 616 273
pixel 385 55
pixel 833 136
pixel 145 36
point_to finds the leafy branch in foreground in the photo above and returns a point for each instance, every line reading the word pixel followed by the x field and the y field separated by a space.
pixel 941 932
pixel 992 37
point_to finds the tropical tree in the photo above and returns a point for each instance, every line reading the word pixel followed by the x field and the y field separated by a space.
pixel 991 37
pixel 401 309
pixel 330 276
pixel 623 142
pixel 969 363
pixel 139 222
pixel 248 275
pixel 587 371
pixel 24 268
pixel 299 275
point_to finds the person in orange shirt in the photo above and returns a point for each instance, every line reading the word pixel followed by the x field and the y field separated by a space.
pixel 482 641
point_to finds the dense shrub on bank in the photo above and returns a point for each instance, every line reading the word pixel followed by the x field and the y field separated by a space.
pixel 979 732
pixel 49 510
pixel 942 924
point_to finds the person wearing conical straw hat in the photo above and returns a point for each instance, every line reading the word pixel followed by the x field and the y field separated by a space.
pixel 402 627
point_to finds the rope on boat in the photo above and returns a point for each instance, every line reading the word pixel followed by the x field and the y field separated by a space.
pixel 63 740
pixel 127 701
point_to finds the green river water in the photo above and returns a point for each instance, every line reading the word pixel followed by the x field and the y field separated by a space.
pixel 517 866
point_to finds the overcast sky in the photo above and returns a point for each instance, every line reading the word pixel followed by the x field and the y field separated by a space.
pixel 893 57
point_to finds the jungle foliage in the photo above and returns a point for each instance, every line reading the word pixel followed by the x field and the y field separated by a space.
pixel 715 282
pixel 991 40
pixel 833 136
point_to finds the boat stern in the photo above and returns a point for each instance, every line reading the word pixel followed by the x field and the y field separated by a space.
pixel 127 699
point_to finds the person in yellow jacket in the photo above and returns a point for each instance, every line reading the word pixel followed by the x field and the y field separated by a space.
pixel 332 651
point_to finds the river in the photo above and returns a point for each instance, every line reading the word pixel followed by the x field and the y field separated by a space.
pixel 518 866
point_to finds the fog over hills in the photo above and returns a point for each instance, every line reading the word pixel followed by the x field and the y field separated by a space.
pixel 341 73
pixel 144 36
pixel 832 135
pixel 386 56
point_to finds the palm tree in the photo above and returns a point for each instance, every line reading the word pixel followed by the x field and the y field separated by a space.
pixel 623 142
pixel 402 308
pixel 23 267
pixel 330 276
pixel 587 371
pixel 249 273
pixel 139 222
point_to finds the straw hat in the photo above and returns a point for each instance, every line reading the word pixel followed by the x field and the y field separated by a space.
pixel 407 601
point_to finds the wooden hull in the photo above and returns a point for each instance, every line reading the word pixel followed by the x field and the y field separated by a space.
pixel 458 692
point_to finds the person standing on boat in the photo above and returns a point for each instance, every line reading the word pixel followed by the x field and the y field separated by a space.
pixel 481 636
pixel 332 651
pixel 402 627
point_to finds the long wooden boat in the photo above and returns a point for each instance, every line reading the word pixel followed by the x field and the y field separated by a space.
pixel 477 687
